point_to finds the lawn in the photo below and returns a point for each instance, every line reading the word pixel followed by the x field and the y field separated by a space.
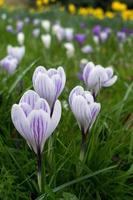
pixel 107 170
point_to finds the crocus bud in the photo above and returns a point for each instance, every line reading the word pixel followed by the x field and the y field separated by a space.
pixel 31 118
pixel 84 108
pixel 46 25
pixel 58 31
pixel 49 83
pixel 16 52
pixel 36 32
pixel 69 33
pixel 46 39
pixel 20 38
pixel 96 77
pixel 19 26
pixel 70 50
pixel 9 63
pixel 87 49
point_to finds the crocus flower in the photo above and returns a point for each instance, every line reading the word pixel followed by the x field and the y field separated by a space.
pixel 96 77
pixel 87 49
pixel 19 26
pixel 36 22
pixel 9 29
pixel 36 32
pixel 83 63
pixel 20 38
pixel 46 25
pixel 80 38
pixel 31 118
pixel 84 108
pixel 49 83
pixel 9 63
pixel 46 39
pixel 58 31
pixel 96 30
pixel 70 50
pixel 69 33
pixel 121 36
pixel 16 52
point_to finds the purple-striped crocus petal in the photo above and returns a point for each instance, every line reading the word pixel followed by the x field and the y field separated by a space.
pixel 58 85
pixel 30 97
pixel 45 87
pixel 62 74
pixel 39 122
pixel 39 69
pixel 54 120
pixel 16 52
pixel 110 82
pixel 88 96
pixel 20 121
pixel 95 109
pixel 82 112
pixel 87 71
pixel 26 108
pixel 51 72
pixel 78 90
pixel 43 105
pixel 109 71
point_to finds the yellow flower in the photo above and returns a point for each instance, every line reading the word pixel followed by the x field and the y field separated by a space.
pixel 109 14
pixel 98 13
pixel 39 3
pixel 1 2
pixel 118 6
pixel 72 8
pixel 127 15
pixel 83 11
pixel 46 2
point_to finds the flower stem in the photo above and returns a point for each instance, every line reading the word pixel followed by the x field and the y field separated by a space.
pixel 83 147
pixel 39 170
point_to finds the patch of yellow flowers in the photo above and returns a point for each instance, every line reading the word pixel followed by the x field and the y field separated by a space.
pixel 117 7
pixel 2 2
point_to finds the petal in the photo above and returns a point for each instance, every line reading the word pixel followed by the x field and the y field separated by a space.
pixel 86 72
pixel 88 96
pixel 39 122
pixel 95 109
pixel 39 69
pixel 51 72
pixel 30 97
pixel 20 121
pixel 45 87
pixel 54 120
pixel 42 104
pixel 26 108
pixel 110 82
pixel 109 71
pixel 58 85
pixel 77 90
pixel 62 74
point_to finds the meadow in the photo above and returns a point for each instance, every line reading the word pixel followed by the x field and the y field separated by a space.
pixel 107 170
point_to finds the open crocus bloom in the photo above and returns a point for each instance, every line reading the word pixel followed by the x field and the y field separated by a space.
pixel 96 77
pixel 31 118
pixel 84 108
pixel 9 63
pixel 49 83
pixel 16 52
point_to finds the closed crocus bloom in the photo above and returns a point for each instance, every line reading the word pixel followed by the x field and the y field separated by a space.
pixel 31 118
pixel 84 108
pixel 70 50
pixel 36 32
pixel 69 33
pixel 16 52
pixel 87 49
pixel 46 25
pixel 49 83
pixel 46 39
pixel 9 63
pixel 96 77
pixel 19 26
pixel 58 31
pixel 20 38
pixel 80 38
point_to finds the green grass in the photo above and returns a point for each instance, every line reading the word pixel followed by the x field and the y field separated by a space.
pixel 108 171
